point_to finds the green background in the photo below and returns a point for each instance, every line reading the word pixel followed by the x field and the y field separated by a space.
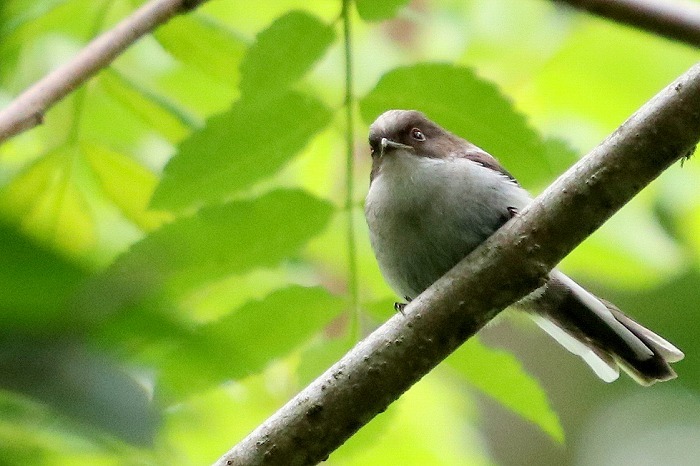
pixel 176 253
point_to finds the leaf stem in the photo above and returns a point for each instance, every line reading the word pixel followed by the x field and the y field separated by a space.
pixel 349 170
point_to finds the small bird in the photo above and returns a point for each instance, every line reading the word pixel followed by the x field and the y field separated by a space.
pixel 434 197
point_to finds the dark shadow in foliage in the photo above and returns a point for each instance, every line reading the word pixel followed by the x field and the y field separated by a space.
pixel 41 354
pixel 85 386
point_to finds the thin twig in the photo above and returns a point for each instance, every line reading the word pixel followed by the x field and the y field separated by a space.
pixel 510 264
pixel 28 109
pixel 674 19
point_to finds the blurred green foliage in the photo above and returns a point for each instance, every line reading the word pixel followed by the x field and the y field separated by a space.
pixel 174 260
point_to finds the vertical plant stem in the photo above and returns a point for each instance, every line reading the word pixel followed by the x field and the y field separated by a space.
pixel 349 171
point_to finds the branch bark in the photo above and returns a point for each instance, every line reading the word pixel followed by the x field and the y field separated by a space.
pixel 674 19
pixel 27 110
pixel 517 258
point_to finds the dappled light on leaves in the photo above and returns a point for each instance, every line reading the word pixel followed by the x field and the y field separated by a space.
pixel 174 258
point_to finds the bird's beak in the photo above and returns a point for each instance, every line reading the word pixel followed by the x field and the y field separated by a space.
pixel 388 144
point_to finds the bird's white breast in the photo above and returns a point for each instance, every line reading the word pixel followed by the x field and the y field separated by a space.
pixel 426 214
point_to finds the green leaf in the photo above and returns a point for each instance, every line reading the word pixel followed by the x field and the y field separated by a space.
pixel 560 155
pixel 27 20
pixel 35 283
pixel 47 201
pixel 15 13
pixel 239 147
pixel 283 52
pixel 162 115
pixel 128 184
pixel 501 376
pixel 224 239
pixel 204 45
pixel 458 100
pixel 571 86
pixel 373 10
pixel 249 338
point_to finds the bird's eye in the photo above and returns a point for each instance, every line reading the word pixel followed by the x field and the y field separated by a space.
pixel 373 145
pixel 417 134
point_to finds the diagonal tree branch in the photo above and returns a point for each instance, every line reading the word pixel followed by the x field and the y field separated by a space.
pixel 27 110
pixel 516 258
pixel 674 19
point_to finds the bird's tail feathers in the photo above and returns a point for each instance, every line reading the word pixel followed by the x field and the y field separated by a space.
pixel 601 334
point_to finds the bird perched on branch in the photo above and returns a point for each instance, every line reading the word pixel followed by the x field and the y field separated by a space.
pixel 434 197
